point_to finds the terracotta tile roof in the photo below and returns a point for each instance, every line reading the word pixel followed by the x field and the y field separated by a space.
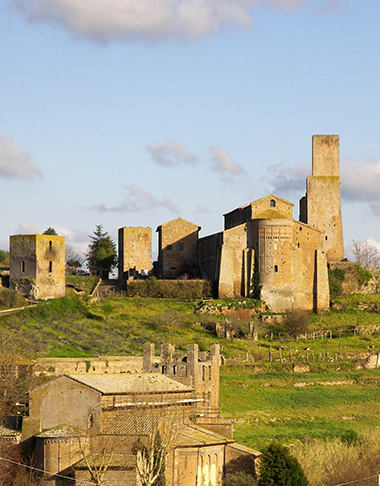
pixel 124 383
pixel 193 435
pixel 132 425
pixel 246 449
pixel 115 460
pixel 61 431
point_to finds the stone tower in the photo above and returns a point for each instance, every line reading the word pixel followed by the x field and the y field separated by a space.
pixel 321 207
pixel 37 266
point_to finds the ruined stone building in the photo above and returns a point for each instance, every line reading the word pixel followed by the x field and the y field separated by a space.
pixel 37 266
pixel 263 251
pixel 135 252
pixel 177 249
pixel 79 419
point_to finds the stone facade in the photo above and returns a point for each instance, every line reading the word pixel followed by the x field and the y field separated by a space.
pixel 135 252
pixel 264 251
pixel 77 418
pixel 37 266
pixel 177 249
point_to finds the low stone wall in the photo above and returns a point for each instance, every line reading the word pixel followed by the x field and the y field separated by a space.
pixel 103 364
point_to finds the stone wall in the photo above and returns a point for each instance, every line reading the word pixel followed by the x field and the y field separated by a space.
pixel 177 249
pixel 37 266
pixel 135 251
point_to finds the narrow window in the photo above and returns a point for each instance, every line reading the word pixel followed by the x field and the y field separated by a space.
pixel 276 268
pixel 50 245
pixel 272 203
pixel 325 237
pixel 50 267
pixel 23 266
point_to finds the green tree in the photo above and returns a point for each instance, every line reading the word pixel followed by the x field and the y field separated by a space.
pixel 101 254
pixel 50 231
pixel 4 255
pixel 279 468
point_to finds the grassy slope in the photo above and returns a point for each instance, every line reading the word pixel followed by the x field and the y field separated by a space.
pixel 260 396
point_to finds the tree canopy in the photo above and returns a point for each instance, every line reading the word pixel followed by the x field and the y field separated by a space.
pixel 50 231
pixel 279 468
pixel 101 254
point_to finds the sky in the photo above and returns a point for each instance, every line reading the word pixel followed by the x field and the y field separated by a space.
pixel 135 112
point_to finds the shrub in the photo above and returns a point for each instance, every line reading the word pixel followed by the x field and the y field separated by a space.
pixel 240 478
pixel 296 323
pixel 279 468
pixel 336 278
pixel 363 275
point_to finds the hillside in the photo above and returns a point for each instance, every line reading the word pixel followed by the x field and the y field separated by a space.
pixel 260 390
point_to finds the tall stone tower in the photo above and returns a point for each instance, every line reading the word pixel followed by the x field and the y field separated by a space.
pixel 321 207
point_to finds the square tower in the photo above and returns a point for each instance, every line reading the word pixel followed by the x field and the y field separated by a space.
pixel 135 251
pixel 37 266
pixel 321 208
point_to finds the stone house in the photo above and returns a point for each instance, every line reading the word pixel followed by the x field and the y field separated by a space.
pixel 37 266
pixel 80 420
pixel 177 249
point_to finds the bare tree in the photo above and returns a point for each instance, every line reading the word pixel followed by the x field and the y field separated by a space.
pixel 151 452
pixel 366 254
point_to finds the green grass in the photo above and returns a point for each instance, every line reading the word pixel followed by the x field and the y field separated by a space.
pixel 259 395
pixel 271 406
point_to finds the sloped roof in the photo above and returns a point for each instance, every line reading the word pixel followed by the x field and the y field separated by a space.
pixel 178 219
pixel 246 449
pixel 114 460
pixel 62 431
pixel 193 435
pixel 271 214
pixel 270 196
pixel 109 384
pixel 132 425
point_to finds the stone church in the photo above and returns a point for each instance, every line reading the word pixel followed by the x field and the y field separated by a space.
pixel 263 252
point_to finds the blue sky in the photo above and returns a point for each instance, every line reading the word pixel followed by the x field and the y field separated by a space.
pixel 131 113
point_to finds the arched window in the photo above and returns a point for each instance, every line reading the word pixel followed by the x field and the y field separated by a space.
pixel 50 245
pixel 50 267
pixel 272 203
pixel 276 268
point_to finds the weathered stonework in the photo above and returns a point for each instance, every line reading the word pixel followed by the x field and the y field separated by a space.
pixel 96 415
pixel 177 249
pixel 135 252
pixel 37 266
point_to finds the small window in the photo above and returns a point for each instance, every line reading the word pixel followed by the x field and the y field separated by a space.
pixel 169 247
pixel 50 245
pixel 180 246
pixel 276 268
pixel 325 237
pixel 23 266
pixel 50 267
pixel 272 203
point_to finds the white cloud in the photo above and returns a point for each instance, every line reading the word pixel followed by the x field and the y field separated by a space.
pixel 157 20
pixel 288 179
pixel 224 163
pixel 360 180
pixel 14 162
pixel 136 200
pixel 171 153
pixel 105 20
pixel 26 228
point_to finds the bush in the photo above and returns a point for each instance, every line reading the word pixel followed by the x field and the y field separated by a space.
pixel 169 289
pixel 279 468
pixel 336 278
pixel 10 299
pixel 240 478
pixel 296 323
